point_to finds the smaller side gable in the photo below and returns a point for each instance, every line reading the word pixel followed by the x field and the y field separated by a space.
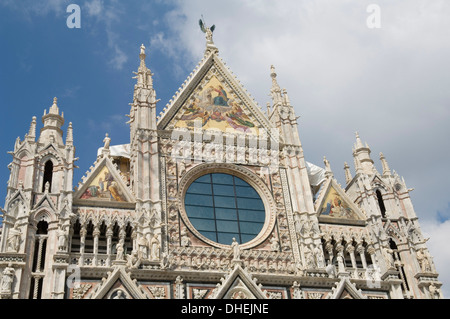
pixel 119 285
pixel 238 285
pixel 104 185
pixel 333 205
pixel 345 290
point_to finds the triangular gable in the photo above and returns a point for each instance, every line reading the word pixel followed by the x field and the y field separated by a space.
pixel 238 285
pixel 104 185
pixel 393 231
pixel 119 285
pixel 377 181
pixel 45 201
pixel 18 196
pixel 216 99
pixel 345 290
pixel 335 206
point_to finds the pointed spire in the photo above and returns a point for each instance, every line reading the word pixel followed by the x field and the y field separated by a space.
pixel 348 174
pixel 275 91
pixel 386 170
pixel 358 143
pixel 143 75
pixel 32 131
pixel 328 171
pixel 286 98
pixel 54 108
pixel 362 154
pixel 69 137
pixel 51 132
pixel 358 167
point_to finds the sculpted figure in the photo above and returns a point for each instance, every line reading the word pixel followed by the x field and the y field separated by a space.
pixel 154 246
pixel 236 250
pixel 119 250
pixel 62 239
pixel 7 280
pixel 14 238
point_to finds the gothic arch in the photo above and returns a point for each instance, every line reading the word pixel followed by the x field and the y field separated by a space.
pixel 16 208
pixel 40 214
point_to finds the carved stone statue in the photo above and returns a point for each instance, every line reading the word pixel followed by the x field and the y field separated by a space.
pixel 120 250
pixel 107 141
pixel 133 261
pixel 143 248
pixel 119 295
pixel 340 260
pixel 434 291
pixel 275 244
pixel 154 247
pixel 207 30
pixel 62 239
pixel 7 280
pixel 185 240
pixel 14 238
pixel 236 249
pixel 319 257
pixel 424 263
pixel 388 255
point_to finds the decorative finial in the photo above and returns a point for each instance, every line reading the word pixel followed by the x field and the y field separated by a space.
pixel 54 108
pixel 69 137
pixel 386 170
pixel 275 90
pixel 107 141
pixel 142 49
pixel 348 175
pixel 208 31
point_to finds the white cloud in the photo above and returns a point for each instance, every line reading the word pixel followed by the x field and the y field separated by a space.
pixel 389 84
pixel 108 15
pixel 439 234
pixel 94 8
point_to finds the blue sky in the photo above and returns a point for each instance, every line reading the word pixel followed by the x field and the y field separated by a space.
pixel 390 84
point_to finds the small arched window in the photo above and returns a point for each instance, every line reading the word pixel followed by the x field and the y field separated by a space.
pixel 38 267
pixel 48 174
pixel 381 203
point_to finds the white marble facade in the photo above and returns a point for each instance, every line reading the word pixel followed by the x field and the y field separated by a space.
pixel 131 229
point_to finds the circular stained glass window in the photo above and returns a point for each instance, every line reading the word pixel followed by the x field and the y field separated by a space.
pixel 222 207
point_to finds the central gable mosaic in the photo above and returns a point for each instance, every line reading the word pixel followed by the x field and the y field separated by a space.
pixel 217 108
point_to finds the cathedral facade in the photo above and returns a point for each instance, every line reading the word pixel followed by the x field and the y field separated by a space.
pixel 211 199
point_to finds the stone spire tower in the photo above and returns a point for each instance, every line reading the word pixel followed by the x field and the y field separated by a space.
pixel 143 138
pixel 37 207
pixel 398 240
pixel 282 116
pixel 145 172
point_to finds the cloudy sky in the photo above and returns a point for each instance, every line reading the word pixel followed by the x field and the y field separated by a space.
pixel 389 83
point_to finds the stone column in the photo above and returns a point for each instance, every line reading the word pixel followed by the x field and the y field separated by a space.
pixel 361 251
pixel 351 251
pixel 329 248
pixel 96 234
pixel 109 234
pixel 83 232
